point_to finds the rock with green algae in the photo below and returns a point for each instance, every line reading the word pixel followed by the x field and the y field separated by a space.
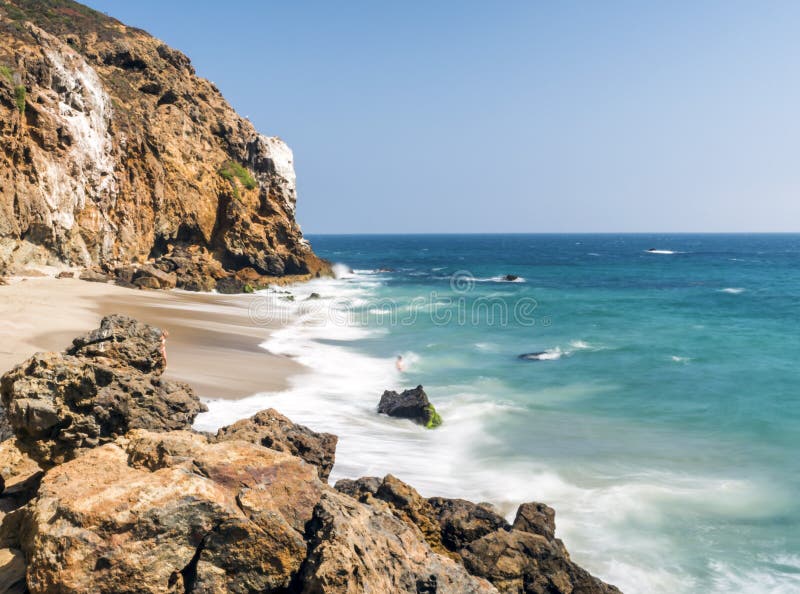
pixel 410 404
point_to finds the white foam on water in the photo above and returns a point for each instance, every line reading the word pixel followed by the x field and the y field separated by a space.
pixel 732 290
pixel 663 252
pixel 679 359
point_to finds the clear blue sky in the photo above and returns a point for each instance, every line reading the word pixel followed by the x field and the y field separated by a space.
pixel 513 116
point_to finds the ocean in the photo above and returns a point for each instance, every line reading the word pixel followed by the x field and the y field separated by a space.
pixel 660 415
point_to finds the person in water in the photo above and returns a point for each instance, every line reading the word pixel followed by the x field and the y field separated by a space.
pixel 401 366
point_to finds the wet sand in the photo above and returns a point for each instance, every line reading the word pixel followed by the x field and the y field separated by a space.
pixel 213 344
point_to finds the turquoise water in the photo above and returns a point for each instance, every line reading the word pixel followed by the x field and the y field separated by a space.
pixel 662 423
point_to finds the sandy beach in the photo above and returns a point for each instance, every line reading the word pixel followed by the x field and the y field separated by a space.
pixel 213 345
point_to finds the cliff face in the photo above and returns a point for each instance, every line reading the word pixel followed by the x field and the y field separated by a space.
pixel 112 150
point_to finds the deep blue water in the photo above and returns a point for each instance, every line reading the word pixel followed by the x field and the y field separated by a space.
pixel 664 427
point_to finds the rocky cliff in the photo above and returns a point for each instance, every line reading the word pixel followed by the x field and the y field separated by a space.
pixel 112 151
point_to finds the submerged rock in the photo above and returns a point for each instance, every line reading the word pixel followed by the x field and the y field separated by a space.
pixel 106 384
pixel 410 404
pixel 271 429
pixel 510 277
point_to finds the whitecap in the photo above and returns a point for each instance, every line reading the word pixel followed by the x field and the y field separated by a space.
pixel 667 252
pixel 732 290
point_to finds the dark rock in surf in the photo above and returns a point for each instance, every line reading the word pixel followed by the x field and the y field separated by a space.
pixel 510 277
pixel 410 404
pixel 537 356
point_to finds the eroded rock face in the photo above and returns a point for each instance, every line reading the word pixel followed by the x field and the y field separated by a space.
pixel 106 384
pixel 170 513
pixel 273 430
pixel 117 149
pixel 354 548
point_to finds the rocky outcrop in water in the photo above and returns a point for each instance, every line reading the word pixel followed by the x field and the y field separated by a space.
pixel 107 489
pixel 113 151
pixel 410 404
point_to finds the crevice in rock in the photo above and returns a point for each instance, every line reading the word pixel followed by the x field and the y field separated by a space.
pixel 189 572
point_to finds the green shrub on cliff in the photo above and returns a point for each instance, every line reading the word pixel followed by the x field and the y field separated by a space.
pixel 6 73
pixel 232 170
pixel 19 94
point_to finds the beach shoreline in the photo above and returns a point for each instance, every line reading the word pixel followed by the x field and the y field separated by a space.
pixel 213 344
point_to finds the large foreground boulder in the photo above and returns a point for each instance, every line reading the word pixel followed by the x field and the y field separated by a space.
pixel 410 404
pixel 106 384
pixel 273 430
pixel 156 513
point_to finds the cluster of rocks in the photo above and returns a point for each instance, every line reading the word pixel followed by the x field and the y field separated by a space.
pixel 191 268
pixel 108 489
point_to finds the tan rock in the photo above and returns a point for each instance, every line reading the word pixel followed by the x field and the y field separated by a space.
pixel 273 430
pixel 354 548
pixel 168 512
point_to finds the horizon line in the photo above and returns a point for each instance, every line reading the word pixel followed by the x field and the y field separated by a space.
pixel 359 233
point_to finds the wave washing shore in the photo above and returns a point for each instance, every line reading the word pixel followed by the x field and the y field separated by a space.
pixel 670 467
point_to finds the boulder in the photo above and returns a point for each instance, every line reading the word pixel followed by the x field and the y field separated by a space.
pixel 150 277
pixel 402 500
pixel 410 404
pixel 358 488
pixel 521 562
pixel 106 384
pixel 155 513
pixel 536 518
pixel 462 522
pixel 354 548
pixel 65 274
pixel 94 276
pixel 231 285
pixel 271 429
pixel 194 267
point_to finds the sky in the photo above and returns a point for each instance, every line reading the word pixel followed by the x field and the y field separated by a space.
pixel 419 117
